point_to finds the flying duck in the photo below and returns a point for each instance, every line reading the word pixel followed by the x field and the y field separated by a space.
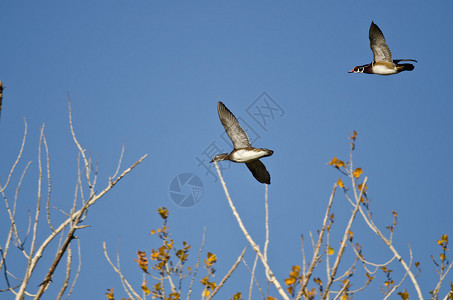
pixel 243 151
pixel 382 63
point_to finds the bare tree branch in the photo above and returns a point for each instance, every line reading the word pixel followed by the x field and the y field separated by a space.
pixel 197 264
pixel 255 247
pixel 129 290
pixel 225 278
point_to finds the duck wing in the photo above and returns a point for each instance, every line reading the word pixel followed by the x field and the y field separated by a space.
pixel 232 127
pixel 381 51
pixel 259 171
pixel 398 60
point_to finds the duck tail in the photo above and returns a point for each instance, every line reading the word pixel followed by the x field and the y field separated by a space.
pixel 405 67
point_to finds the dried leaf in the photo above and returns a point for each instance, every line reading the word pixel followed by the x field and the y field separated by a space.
pixel 330 251
pixel 357 172
pixel 145 289
pixel 110 294
pixel 163 212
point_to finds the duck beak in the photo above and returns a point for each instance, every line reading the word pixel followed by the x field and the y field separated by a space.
pixel 352 71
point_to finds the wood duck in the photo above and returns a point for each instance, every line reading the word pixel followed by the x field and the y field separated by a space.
pixel 243 151
pixel 382 63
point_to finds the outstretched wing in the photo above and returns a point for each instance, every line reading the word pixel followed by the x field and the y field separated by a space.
pixel 232 127
pixel 398 60
pixel 259 171
pixel 381 51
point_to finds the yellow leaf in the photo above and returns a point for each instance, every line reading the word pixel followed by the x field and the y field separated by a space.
pixel 296 268
pixel 336 163
pixel 145 289
pixel 163 212
pixel 290 290
pixel 362 186
pixel 353 136
pixel 290 281
pixel 211 258
pixel 442 257
pixel 369 276
pixel 404 295
pixel 333 161
pixel 351 235
pixel 205 293
pixel 443 240
pixel 357 172
pixel 340 183
pixel 110 294
pixel 237 296
pixel 330 251
pixel 318 281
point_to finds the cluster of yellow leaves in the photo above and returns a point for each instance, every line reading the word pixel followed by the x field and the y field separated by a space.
pixel 174 296
pixel 145 288
pixel 162 230
pixel 166 264
pixel 336 163
pixel 389 283
pixel 158 290
pixel 210 260
pixel 404 295
pixel 142 261
pixel 110 294
pixel 331 220
pixel 294 278
pixel 163 212
pixel 346 285
pixel 209 286
pixel 443 242
pixel 182 254
pixel 162 255
pixel 237 296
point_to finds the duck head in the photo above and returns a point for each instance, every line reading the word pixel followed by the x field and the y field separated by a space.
pixel 358 69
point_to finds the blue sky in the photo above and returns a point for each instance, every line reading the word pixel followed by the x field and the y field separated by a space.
pixel 150 74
